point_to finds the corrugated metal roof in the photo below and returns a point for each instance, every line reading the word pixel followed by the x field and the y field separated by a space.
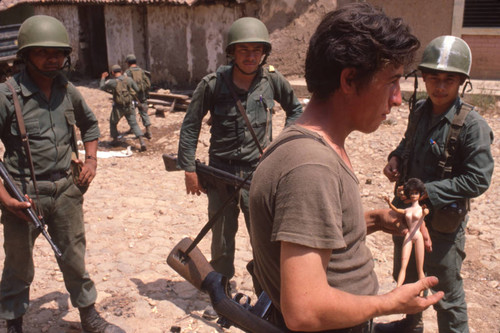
pixel 6 4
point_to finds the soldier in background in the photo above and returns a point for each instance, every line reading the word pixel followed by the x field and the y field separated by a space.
pixel 124 92
pixel 233 146
pixel 143 82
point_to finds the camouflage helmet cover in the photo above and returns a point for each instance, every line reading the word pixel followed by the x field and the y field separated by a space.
pixel 43 31
pixel 116 68
pixel 248 30
pixel 447 54
pixel 130 57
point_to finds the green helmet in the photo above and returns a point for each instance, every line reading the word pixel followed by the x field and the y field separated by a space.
pixel 130 58
pixel 248 30
pixel 42 31
pixel 116 68
pixel 447 54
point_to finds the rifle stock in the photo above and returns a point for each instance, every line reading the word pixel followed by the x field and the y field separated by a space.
pixel 207 174
pixel 195 268
pixel 30 213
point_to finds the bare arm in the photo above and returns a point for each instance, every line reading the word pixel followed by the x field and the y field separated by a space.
pixel 89 167
pixel 308 303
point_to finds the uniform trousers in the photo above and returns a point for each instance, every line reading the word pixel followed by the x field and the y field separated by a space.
pixel 225 228
pixel 129 113
pixel 61 204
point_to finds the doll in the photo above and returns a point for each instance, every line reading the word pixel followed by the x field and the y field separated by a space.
pixel 418 234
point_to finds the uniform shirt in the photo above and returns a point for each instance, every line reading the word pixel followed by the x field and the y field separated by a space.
pixel 141 95
pixel 48 125
pixel 110 85
pixel 472 163
pixel 230 137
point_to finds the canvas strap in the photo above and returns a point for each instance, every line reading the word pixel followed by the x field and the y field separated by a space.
pixel 24 140
pixel 242 111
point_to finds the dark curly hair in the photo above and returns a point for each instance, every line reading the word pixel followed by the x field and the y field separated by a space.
pixel 413 184
pixel 360 36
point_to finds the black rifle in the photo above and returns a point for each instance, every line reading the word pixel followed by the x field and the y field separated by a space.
pixel 194 267
pixel 207 174
pixel 11 187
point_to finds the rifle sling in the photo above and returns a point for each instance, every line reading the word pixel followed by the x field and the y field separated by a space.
pixel 24 140
pixel 242 111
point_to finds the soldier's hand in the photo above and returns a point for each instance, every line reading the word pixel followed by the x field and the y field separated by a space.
pixel 89 170
pixel 391 169
pixel 104 75
pixel 17 207
pixel 193 185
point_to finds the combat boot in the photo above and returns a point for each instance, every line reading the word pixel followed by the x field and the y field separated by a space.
pixel 92 322
pixel 143 145
pixel 409 324
pixel 15 325
pixel 148 133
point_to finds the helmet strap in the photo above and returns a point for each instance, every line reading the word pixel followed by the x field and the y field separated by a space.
pixel 64 70
pixel 467 83
pixel 413 98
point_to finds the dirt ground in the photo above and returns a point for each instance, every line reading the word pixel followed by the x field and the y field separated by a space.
pixel 136 212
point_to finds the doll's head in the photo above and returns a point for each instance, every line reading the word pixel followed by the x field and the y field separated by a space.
pixel 414 184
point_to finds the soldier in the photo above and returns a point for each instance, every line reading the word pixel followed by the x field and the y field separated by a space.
pixel 232 145
pixel 143 82
pixel 123 89
pixel 447 146
pixel 50 107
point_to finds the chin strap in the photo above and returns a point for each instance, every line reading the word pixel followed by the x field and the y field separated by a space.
pixel 413 98
pixel 467 84
pixel 64 70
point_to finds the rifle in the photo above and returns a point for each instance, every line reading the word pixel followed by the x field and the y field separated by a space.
pixel 194 267
pixel 11 187
pixel 207 174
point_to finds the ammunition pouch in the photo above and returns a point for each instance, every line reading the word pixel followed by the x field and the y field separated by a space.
pixel 448 218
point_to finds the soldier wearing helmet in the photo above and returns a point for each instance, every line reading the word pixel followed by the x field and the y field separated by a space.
pixel 447 146
pixel 51 107
pixel 124 91
pixel 233 147
pixel 141 78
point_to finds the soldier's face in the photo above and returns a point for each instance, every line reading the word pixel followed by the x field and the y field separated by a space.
pixel 47 59
pixel 442 89
pixel 248 56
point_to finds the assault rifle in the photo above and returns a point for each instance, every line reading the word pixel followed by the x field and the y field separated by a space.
pixel 11 187
pixel 194 267
pixel 207 174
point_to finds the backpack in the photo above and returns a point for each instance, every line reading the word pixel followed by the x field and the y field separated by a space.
pixel 123 96
pixel 141 79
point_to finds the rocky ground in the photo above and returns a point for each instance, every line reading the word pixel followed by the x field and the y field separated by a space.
pixel 136 212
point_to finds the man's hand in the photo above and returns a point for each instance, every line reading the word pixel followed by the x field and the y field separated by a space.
pixel 193 185
pixel 407 299
pixel 386 220
pixel 104 75
pixel 18 207
pixel 391 169
pixel 89 170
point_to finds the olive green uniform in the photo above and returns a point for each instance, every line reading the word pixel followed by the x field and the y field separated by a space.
pixel 232 147
pixel 142 96
pixel 49 126
pixel 472 168
pixel 119 111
